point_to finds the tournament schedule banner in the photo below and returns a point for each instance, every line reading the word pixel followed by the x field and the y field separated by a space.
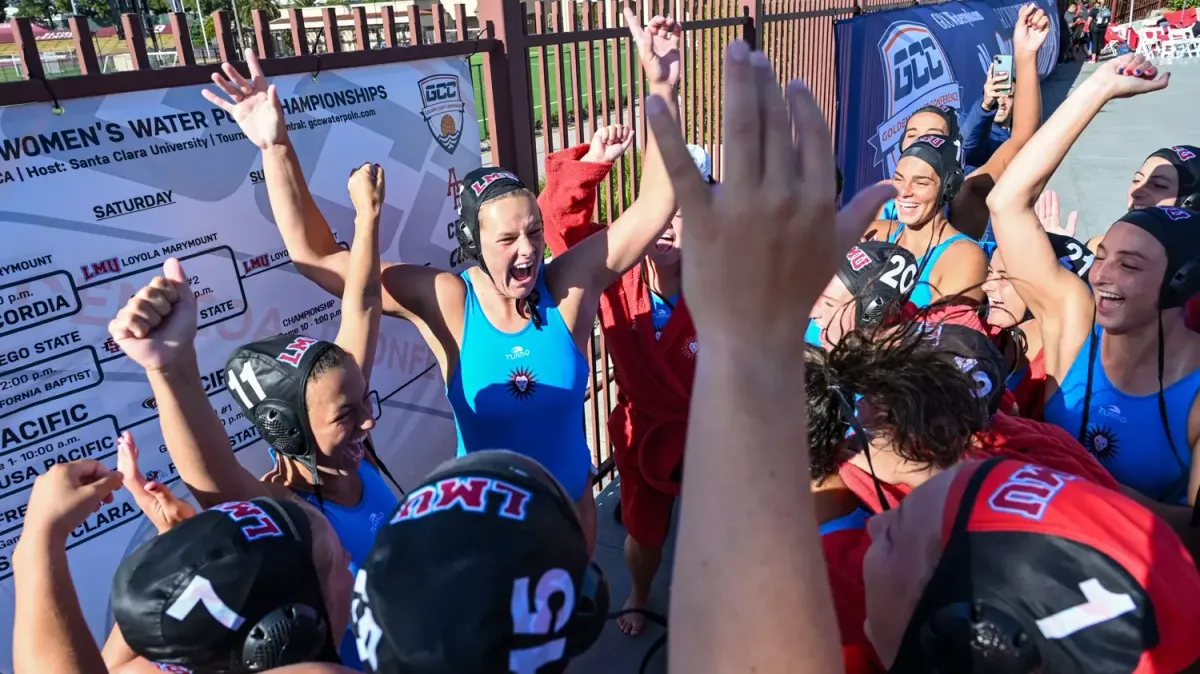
pixel 94 200
pixel 890 64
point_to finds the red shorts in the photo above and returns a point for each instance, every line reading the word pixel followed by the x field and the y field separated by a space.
pixel 645 511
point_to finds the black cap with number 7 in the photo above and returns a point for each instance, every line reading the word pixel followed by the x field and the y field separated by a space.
pixel 232 589
pixel 483 568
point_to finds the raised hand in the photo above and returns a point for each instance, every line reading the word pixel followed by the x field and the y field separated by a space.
pixel 609 143
pixel 366 187
pixel 1033 26
pixel 658 48
pixel 66 494
pixel 252 104
pixel 159 503
pixel 1130 75
pixel 993 89
pixel 1049 214
pixel 158 324
pixel 781 179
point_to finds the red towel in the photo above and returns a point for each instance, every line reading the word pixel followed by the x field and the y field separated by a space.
pixel 654 377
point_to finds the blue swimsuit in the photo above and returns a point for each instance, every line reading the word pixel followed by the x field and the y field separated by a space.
pixel 1126 431
pixel 660 311
pixel 356 527
pixel 922 293
pixel 523 391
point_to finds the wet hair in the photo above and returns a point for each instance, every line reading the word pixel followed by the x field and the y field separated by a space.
pixel 332 358
pixel 928 405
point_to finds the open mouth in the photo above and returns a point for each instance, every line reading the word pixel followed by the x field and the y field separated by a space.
pixel 522 271
pixel 356 448
pixel 1108 301
pixel 665 243
pixel 907 207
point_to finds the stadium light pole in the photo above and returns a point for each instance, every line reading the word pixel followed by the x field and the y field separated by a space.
pixel 237 22
pixel 200 18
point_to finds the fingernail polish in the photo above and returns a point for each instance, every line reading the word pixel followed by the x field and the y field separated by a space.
pixel 1120 70
pixel 739 50
pixel 1138 72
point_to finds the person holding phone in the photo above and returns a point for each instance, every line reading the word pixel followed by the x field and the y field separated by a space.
pixel 985 127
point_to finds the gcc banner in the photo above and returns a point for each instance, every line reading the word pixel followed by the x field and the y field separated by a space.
pixel 891 63
pixel 92 202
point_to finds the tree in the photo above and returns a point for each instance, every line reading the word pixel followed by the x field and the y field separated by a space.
pixel 98 11
pixel 37 11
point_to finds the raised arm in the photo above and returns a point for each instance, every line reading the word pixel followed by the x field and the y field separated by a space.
pixel 1060 300
pixel 411 290
pixel 750 588
pixel 598 261
pixel 50 635
pixel 572 176
pixel 969 211
pixel 976 126
pixel 157 330
pixel 362 297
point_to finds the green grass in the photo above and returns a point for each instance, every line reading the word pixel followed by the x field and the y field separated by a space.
pixel 592 95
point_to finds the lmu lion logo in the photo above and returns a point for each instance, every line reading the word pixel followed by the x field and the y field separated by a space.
pixel 442 108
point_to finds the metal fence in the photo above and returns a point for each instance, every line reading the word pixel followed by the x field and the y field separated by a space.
pixel 543 82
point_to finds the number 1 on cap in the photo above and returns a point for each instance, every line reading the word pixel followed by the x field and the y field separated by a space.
pixel 250 380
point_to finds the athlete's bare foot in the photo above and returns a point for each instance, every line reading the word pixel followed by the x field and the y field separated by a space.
pixel 632 623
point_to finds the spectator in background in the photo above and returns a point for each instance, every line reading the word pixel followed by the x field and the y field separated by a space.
pixel 987 125
pixel 1070 33
pixel 1098 19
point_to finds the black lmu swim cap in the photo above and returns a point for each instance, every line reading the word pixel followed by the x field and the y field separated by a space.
pixel 940 152
pixel 947 113
pixel 479 187
pixel 1186 160
pixel 1072 254
pixel 482 569
pixel 231 589
pixel 1178 230
pixel 268 380
pixel 880 276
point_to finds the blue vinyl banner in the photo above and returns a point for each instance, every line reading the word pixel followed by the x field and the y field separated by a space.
pixel 889 64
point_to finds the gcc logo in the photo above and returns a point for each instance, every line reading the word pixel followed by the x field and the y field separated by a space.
pixel 442 107
pixel 917 73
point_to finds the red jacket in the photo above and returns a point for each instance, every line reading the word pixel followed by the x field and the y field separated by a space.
pixel 654 377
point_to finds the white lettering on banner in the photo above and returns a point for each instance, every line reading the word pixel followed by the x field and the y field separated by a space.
pixel 103 194
pixel 950 20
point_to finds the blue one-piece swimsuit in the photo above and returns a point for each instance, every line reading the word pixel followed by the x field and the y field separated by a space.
pixel 523 391
pixel 1126 431
pixel 922 293
pixel 356 527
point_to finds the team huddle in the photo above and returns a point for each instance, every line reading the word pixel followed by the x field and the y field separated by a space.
pixel 994 471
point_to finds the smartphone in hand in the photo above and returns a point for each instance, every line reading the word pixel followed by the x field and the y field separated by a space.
pixel 1002 68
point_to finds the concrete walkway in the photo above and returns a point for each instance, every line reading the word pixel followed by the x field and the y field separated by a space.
pixel 1094 179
